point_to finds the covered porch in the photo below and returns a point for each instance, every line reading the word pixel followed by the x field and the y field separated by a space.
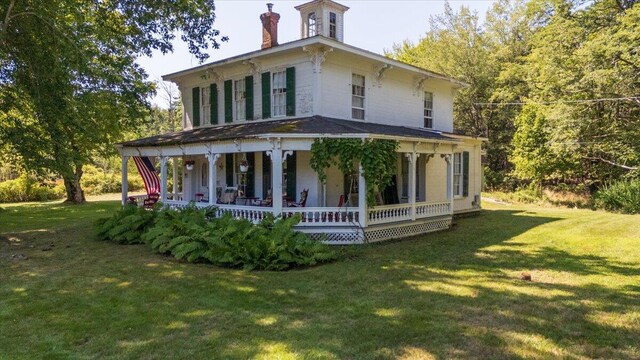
pixel 270 173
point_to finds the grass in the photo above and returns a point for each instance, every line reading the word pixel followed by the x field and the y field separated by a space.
pixel 454 294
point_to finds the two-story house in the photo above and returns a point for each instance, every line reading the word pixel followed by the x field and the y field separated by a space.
pixel 250 120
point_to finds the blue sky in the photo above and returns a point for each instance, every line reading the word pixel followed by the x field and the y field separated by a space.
pixel 374 25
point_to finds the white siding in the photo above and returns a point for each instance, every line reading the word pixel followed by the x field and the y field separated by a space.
pixel 393 100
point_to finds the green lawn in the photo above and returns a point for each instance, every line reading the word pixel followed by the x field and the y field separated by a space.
pixel 454 294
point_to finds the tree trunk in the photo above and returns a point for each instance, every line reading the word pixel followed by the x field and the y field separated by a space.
pixel 75 195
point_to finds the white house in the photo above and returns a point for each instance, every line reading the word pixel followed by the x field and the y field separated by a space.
pixel 265 109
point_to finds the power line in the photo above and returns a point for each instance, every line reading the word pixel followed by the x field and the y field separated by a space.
pixel 557 102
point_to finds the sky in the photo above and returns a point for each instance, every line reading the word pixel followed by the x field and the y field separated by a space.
pixel 373 25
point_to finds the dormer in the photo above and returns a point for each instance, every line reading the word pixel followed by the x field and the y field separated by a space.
pixel 322 17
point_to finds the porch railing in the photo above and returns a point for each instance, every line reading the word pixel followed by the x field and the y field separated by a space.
pixel 389 213
pixel 425 210
pixel 402 212
pixel 331 216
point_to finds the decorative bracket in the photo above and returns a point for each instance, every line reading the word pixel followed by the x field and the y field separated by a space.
pixel 409 157
pixel 214 75
pixel 379 72
pixel 163 160
pixel 269 153
pixel 446 157
pixel 276 143
pixel 418 84
pixel 428 156
pixel 253 65
pixel 285 154
pixel 435 147
pixel 238 144
pixel 213 158
pixel 317 55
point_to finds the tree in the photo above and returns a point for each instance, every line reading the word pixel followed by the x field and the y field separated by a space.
pixel 69 83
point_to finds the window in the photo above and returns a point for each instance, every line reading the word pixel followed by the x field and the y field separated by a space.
pixel 204 174
pixel 332 25
pixel 428 109
pixel 404 170
pixel 279 94
pixel 311 24
pixel 357 96
pixel 205 107
pixel 240 99
pixel 457 174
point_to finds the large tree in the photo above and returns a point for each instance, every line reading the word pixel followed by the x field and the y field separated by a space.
pixel 69 82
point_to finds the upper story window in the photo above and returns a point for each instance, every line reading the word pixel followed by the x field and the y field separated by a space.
pixel 279 94
pixel 332 25
pixel 240 99
pixel 357 96
pixel 205 105
pixel 311 24
pixel 457 174
pixel 428 109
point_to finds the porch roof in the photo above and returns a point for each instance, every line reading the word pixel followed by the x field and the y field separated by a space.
pixel 314 125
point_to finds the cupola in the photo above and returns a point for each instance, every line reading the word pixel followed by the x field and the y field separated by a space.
pixel 322 17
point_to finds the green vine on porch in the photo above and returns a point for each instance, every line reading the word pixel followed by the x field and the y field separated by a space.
pixel 377 157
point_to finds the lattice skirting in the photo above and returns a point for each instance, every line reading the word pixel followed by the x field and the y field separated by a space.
pixel 335 236
pixel 397 231
pixel 354 235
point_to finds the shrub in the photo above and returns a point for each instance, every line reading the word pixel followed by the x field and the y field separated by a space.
pixel 195 235
pixel 623 196
pixel 26 188
pixel 126 226
pixel 95 181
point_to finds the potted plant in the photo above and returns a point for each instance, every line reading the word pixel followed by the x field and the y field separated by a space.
pixel 244 165
pixel 189 164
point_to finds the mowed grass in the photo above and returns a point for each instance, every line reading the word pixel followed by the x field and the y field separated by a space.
pixel 453 294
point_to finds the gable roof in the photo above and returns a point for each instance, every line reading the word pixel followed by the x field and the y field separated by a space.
pixel 314 126
pixel 319 40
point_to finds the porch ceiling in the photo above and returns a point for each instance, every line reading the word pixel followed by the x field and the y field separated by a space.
pixel 314 126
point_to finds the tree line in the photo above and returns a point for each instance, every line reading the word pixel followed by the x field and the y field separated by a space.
pixel 70 86
pixel 553 84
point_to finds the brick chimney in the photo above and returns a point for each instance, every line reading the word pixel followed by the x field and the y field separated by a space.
pixel 269 27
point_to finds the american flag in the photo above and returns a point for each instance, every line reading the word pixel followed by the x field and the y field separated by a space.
pixel 148 173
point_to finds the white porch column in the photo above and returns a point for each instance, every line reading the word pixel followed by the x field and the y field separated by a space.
pixel 125 178
pixel 276 180
pixel 362 198
pixel 163 178
pixel 213 175
pixel 412 183
pixel 174 162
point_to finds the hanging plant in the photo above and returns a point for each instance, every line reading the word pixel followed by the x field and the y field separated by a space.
pixel 189 164
pixel 377 157
pixel 244 165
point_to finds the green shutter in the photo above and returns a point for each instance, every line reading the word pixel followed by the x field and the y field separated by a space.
pixel 266 95
pixel 266 175
pixel 228 101
pixel 465 173
pixel 213 100
pixel 248 83
pixel 195 110
pixel 229 169
pixel 251 175
pixel 291 91
pixel 291 177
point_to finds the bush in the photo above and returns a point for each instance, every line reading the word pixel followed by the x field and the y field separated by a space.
pixel 95 181
pixel 195 235
pixel 26 188
pixel 126 226
pixel 623 196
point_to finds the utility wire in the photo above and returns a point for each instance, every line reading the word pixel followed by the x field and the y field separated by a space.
pixel 556 102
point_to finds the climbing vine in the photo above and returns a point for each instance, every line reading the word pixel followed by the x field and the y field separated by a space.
pixel 377 157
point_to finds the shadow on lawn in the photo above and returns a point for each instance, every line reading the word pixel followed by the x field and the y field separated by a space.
pixel 454 294
pixel 448 297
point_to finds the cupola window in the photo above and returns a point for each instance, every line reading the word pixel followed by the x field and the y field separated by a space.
pixel 311 24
